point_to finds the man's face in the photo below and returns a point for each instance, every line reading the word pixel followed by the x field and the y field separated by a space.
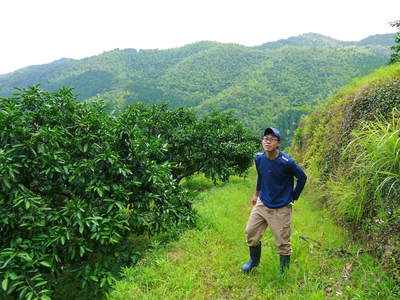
pixel 270 142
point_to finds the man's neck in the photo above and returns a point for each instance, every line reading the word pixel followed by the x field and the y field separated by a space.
pixel 272 154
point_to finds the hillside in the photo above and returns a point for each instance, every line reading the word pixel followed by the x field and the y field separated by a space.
pixel 351 148
pixel 289 82
pixel 270 84
pixel 117 70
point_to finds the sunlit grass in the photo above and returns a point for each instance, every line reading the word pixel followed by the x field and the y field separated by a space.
pixel 205 262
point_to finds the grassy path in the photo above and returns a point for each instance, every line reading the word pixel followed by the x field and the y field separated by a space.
pixel 205 262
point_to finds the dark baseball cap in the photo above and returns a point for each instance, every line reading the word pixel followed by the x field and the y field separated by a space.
pixel 273 131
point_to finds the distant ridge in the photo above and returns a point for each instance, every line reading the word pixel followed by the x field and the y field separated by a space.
pixel 53 63
pixel 378 39
pixel 272 84
pixel 319 40
pixel 306 39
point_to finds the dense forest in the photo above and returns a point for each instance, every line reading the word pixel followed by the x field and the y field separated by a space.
pixel 273 83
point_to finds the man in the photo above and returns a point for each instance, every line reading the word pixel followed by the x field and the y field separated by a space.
pixel 273 200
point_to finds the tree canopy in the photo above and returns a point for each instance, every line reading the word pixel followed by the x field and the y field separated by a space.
pixel 75 181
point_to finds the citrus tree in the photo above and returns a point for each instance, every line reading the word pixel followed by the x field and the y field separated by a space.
pixel 75 182
pixel 217 144
pixel 68 192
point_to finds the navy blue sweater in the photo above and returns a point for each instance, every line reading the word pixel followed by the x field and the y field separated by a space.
pixel 276 179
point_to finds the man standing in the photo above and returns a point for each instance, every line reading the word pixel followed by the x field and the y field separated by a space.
pixel 273 200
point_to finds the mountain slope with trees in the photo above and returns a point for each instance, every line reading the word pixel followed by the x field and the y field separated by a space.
pixel 293 79
pixel 319 40
pixel 273 83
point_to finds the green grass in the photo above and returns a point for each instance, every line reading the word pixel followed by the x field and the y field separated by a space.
pixel 204 263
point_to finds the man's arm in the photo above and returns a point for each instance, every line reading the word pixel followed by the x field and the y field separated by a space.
pixel 258 187
pixel 301 180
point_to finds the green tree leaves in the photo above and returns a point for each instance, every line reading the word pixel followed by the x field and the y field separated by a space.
pixel 395 56
pixel 217 144
pixel 75 181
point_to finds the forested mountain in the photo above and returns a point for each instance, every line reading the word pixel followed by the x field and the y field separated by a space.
pixel 271 84
pixel 289 82
pixel 319 40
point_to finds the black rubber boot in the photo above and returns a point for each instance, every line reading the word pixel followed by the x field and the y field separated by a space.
pixel 255 255
pixel 285 261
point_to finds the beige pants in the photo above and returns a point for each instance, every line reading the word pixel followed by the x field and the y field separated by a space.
pixel 278 219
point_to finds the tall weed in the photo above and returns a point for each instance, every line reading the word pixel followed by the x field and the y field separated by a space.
pixel 349 200
pixel 375 168
pixel 369 183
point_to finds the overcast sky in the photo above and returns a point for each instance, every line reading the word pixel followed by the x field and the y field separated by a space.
pixel 40 31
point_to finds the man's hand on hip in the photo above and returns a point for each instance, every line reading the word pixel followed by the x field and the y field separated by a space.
pixel 254 200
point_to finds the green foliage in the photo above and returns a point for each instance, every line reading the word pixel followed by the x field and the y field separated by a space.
pixel 209 72
pixel 395 56
pixel 287 84
pixel 326 131
pixel 352 144
pixel 76 182
pixel 59 201
pixel 370 194
pixel 90 83
pixel 217 144
pixel 372 185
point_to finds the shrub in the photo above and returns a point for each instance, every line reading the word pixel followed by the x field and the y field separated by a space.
pixel 75 182
pixel 69 193
pixel 217 144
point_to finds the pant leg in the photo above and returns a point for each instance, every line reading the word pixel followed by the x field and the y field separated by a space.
pixel 256 225
pixel 280 222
